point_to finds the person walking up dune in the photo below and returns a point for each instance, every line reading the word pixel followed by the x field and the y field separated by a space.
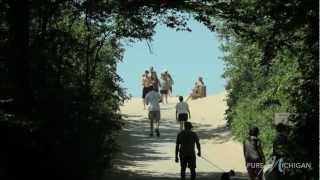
pixel 185 143
pixel 164 88
pixel 152 100
pixel 182 112
pixel 147 86
pixel 154 79
pixel 170 79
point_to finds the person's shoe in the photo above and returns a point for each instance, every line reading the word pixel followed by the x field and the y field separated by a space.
pixel 158 132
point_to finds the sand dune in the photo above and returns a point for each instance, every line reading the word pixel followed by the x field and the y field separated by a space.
pixel 154 156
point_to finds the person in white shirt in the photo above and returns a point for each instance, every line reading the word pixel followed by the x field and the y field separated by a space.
pixel 152 100
pixel 182 112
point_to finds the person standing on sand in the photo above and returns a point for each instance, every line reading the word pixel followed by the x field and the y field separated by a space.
pixel 164 88
pixel 171 82
pixel 152 100
pixel 154 79
pixel 182 112
pixel 147 86
pixel 253 155
pixel 185 143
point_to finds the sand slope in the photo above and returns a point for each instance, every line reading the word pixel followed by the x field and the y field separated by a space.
pixel 153 156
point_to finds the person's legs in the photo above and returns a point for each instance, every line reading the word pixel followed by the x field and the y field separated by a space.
pixel 192 166
pixel 166 97
pixel 255 173
pixel 143 97
pixel 181 125
pixel 151 117
pixel 193 173
pixel 259 173
pixel 183 173
pixel 161 96
pixel 157 125
pixel 180 122
pixel 251 173
pixel 144 103
pixel 183 164
pixel 157 119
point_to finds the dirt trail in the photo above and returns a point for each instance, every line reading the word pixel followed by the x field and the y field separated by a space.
pixel 143 157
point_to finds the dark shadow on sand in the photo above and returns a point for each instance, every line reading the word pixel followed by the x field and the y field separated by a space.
pixel 138 147
pixel 127 175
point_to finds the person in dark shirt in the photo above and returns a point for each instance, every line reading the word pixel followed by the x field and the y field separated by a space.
pixel 185 147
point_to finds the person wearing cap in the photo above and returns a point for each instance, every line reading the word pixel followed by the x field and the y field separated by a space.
pixel 185 148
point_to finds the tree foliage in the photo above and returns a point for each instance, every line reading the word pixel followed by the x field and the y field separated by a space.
pixel 271 64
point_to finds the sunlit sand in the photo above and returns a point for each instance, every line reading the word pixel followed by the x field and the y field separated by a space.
pixel 154 156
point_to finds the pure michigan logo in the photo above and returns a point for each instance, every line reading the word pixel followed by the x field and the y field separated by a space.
pixel 281 165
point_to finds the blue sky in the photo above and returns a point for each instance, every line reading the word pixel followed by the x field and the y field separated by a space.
pixel 186 55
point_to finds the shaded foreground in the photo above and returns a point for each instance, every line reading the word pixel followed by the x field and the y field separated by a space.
pixel 132 176
pixel 144 157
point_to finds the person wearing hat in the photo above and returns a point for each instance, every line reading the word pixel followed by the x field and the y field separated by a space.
pixel 185 143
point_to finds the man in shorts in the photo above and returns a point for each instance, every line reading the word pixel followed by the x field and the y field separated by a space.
pixel 182 112
pixel 147 86
pixel 152 100
pixel 186 141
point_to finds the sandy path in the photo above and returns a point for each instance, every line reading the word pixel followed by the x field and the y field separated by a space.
pixel 143 156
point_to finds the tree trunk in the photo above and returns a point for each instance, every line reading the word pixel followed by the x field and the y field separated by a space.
pixel 18 21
